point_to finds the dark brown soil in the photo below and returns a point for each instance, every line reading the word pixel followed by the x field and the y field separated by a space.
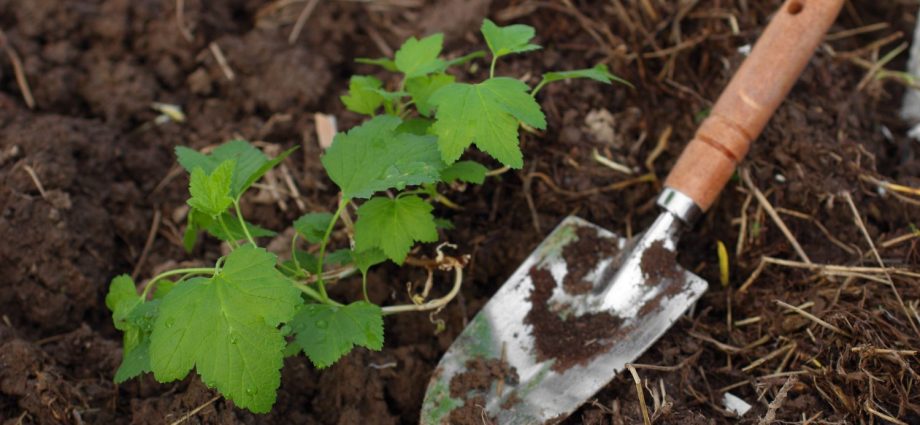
pixel 471 413
pixel 480 374
pixel 657 263
pixel 581 256
pixel 571 340
pixel 102 168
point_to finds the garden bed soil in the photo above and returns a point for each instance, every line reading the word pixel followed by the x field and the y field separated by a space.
pixel 89 172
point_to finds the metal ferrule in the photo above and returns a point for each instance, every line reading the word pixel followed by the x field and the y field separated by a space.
pixel 680 205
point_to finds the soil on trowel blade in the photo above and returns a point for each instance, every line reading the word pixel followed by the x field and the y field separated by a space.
pixel 570 341
pixel 479 376
pixel 582 256
pixel 658 262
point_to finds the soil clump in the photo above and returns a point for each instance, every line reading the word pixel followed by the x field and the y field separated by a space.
pixel 569 341
pixel 581 256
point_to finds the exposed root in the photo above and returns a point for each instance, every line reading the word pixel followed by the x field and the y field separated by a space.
pixel 442 262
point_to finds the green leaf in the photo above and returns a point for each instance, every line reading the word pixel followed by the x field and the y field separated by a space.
pixel 385 63
pixel 190 237
pixel 486 114
pixel 467 171
pixel 227 328
pixel 163 288
pixel 235 229
pixel 443 223
pixel 366 259
pixel 249 161
pixel 466 58
pixel 307 262
pixel 340 257
pixel 362 96
pixel 136 354
pixel 134 318
pixel 421 89
pixel 394 225
pixel 265 167
pixel 374 157
pixel 211 192
pixel 420 57
pixel 200 221
pixel 121 299
pixel 325 333
pixel 312 226
pixel 598 73
pixel 507 40
pixel 418 126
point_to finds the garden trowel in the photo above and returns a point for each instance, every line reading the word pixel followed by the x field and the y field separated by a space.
pixel 586 302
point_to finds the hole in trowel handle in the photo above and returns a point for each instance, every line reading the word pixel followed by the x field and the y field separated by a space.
pixel 795 7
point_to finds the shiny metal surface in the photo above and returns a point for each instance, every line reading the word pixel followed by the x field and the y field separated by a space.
pixel 500 331
pixel 675 202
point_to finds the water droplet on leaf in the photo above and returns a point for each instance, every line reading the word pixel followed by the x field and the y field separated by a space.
pixel 170 322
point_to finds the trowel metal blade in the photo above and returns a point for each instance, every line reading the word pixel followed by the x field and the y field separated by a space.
pixel 536 389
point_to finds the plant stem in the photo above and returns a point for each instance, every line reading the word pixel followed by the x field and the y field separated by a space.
pixel 239 216
pixel 230 240
pixel 294 252
pixel 364 286
pixel 536 89
pixel 322 247
pixel 492 67
pixel 306 289
pixel 188 271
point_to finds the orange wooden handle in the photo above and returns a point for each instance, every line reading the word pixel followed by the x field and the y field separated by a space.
pixel 754 93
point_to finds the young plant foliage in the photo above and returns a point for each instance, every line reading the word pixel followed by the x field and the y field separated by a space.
pixel 233 322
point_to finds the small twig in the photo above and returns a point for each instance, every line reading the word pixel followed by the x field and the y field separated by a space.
pixel 862 227
pixel 812 317
pixel 221 60
pixel 534 217
pixel 826 269
pixel 18 71
pixel 876 351
pixel 881 415
pixel 38 183
pixel 660 147
pixel 746 176
pixel 295 193
pixel 642 406
pixel 645 178
pixel 195 411
pixel 756 363
pixel 674 368
pixel 180 21
pixel 742 232
pixel 609 163
pixel 154 227
pixel 777 402
pixel 301 20
pixel 857 31
pixel 880 64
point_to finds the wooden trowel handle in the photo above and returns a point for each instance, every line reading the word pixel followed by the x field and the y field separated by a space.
pixel 754 93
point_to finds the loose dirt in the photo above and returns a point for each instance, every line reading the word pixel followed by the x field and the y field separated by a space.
pixel 95 66
pixel 582 256
pixel 657 263
pixel 480 374
pixel 569 341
